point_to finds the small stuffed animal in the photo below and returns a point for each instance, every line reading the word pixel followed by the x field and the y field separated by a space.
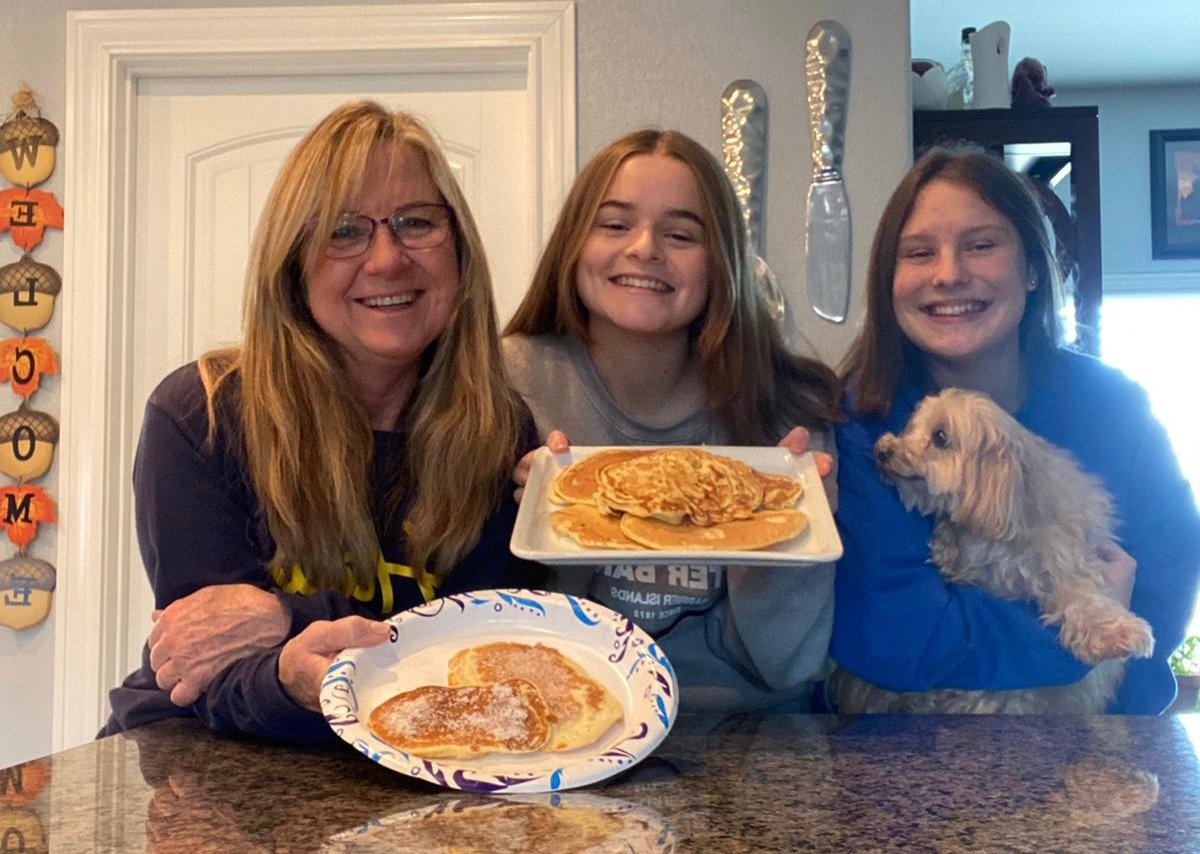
pixel 1029 86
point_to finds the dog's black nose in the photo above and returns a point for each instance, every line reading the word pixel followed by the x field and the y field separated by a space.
pixel 882 455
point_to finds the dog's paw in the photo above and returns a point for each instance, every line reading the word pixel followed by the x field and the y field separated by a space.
pixel 1137 638
pixel 1123 635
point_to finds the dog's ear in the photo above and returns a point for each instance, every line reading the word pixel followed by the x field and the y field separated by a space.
pixel 993 486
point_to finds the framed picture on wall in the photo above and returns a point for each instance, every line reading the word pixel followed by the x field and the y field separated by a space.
pixel 1175 193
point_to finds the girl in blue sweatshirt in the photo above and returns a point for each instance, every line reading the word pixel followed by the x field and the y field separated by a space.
pixel 964 291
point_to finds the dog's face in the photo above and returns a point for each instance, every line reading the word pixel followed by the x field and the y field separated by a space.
pixel 958 458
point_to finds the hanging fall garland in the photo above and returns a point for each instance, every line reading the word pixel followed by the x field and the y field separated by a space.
pixel 28 290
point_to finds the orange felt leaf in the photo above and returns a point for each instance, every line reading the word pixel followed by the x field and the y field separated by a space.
pixel 23 361
pixel 21 509
pixel 28 213
pixel 20 784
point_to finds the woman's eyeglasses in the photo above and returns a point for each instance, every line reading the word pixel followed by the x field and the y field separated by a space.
pixel 416 227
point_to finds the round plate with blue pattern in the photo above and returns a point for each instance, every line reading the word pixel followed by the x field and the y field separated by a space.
pixel 613 651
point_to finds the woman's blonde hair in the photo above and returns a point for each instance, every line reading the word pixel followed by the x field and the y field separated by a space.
pixel 308 441
pixel 882 356
pixel 754 383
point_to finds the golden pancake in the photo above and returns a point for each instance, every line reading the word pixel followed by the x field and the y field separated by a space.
pixel 763 529
pixel 779 491
pixel 586 525
pixel 576 484
pixel 678 483
pixel 644 485
pixel 580 708
pixel 464 722
pixel 720 489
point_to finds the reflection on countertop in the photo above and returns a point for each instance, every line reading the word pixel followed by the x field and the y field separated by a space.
pixel 747 783
pixel 567 822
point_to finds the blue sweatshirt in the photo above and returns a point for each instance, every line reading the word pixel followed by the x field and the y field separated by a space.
pixel 898 624
pixel 199 523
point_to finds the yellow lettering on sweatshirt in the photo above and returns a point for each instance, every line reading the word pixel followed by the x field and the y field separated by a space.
pixel 293 580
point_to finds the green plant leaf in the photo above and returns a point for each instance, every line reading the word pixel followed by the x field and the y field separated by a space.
pixel 1185 661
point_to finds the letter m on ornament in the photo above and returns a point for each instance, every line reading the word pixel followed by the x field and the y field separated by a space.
pixel 17 510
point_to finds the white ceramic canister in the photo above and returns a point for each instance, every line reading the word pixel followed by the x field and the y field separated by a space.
pixel 989 55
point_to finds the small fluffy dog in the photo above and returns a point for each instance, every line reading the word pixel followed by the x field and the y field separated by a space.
pixel 1017 517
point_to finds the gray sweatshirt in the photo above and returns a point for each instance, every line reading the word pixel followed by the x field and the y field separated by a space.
pixel 740 638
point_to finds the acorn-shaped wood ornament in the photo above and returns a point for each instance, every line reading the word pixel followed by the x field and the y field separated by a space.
pixel 28 438
pixel 23 361
pixel 28 290
pixel 27 142
pixel 21 830
pixel 26 590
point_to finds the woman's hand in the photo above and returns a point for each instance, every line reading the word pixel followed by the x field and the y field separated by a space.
pixel 1120 571
pixel 557 442
pixel 198 636
pixel 796 441
pixel 305 658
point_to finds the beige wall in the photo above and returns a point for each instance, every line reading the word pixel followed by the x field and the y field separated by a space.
pixel 670 67
pixel 640 62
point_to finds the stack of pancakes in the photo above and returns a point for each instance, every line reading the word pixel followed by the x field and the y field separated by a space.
pixel 674 499
pixel 502 696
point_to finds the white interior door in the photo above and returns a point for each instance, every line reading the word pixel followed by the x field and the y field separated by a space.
pixel 208 152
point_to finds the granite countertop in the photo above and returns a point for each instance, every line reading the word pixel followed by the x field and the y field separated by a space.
pixel 772 783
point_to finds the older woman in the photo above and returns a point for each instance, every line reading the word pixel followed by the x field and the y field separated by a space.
pixel 316 472
pixel 963 291
pixel 643 326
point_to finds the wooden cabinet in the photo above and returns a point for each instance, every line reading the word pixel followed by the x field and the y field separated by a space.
pixel 1067 136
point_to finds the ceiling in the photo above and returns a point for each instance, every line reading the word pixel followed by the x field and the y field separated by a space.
pixel 1082 43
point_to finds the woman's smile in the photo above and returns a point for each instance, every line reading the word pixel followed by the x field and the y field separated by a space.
pixel 388 300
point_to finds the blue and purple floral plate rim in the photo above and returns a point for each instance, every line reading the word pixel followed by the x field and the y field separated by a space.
pixel 628 649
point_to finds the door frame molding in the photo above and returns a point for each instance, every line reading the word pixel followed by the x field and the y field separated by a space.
pixel 108 52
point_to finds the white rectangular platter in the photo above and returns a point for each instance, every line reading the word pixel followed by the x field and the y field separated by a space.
pixel 534 539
